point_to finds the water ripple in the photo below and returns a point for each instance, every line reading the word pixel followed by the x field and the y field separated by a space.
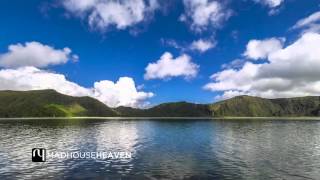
pixel 200 149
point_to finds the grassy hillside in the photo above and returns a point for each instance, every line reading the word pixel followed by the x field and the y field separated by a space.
pixel 301 106
pixel 260 107
pixel 49 103
pixel 241 106
pixel 244 106
pixel 177 109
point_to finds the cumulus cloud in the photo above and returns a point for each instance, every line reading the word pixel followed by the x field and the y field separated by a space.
pixel 310 23
pixel 289 72
pixel 260 49
pixel 120 93
pixel 34 54
pixel 202 45
pixel 102 14
pixel 204 13
pixel 167 67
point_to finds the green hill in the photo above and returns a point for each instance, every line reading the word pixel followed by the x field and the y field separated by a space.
pixel 177 109
pixel 249 106
pixel 49 103
pixel 241 106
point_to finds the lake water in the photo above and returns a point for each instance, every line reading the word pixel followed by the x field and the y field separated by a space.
pixel 163 149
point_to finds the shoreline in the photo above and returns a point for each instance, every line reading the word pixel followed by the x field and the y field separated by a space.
pixel 158 118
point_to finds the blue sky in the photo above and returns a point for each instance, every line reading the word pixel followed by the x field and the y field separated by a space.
pixel 108 52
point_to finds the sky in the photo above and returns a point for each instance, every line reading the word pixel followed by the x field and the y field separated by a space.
pixel 140 53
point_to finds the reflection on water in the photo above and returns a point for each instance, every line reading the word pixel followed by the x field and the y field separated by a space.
pixel 167 149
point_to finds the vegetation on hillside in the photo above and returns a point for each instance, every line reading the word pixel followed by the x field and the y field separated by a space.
pixel 259 107
pixel 176 109
pixel 49 103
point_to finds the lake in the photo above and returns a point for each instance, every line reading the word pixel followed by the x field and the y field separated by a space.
pixel 163 149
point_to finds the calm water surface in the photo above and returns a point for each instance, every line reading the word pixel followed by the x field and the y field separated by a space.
pixel 164 149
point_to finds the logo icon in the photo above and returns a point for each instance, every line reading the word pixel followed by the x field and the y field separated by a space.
pixel 38 155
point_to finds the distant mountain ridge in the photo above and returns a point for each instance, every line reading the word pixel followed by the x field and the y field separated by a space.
pixel 175 109
pixel 49 103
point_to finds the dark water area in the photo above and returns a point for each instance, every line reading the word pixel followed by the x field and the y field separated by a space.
pixel 163 149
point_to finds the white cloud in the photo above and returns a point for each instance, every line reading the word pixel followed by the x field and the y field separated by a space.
pixel 202 45
pixel 315 17
pixel 79 6
pixel 204 13
pixel 289 72
pixel 235 64
pixel 260 49
pixel 102 14
pixel 172 43
pixel 310 23
pixel 270 3
pixel 34 54
pixel 120 93
pixel 167 67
